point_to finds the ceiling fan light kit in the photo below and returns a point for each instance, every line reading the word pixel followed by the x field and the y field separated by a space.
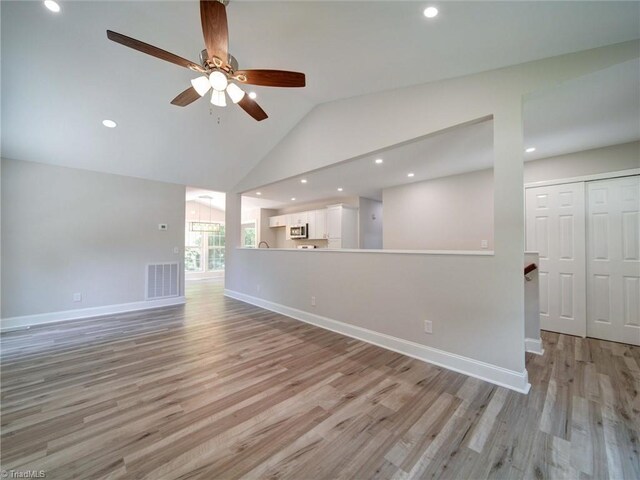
pixel 235 92
pixel 218 80
pixel 218 98
pixel 218 67
pixel 201 84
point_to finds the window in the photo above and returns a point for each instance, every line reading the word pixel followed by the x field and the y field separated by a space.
pixel 204 247
pixel 249 234
pixel 193 251
pixel 215 249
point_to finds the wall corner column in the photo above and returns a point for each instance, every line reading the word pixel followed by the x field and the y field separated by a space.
pixel 509 213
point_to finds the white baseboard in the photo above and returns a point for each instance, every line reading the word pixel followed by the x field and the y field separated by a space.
pixel 26 321
pixel 534 346
pixel 503 377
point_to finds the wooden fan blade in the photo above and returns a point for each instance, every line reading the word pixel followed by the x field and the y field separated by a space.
pixel 185 98
pixel 153 51
pixel 271 78
pixel 252 108
pixel 213 16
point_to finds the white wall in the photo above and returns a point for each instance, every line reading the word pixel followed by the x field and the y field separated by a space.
pixel 599 160
pixel 449 213
pixel 456 212
pixel 66 230
pixel 266 233
pixel 370 223
pixel 478 302
pixel 347 200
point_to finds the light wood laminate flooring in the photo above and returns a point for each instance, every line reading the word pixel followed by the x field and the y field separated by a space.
pixel 221 389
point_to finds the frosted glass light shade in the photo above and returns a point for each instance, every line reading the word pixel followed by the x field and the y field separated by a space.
pixel 218 81
pixel 201 85
pixel 218 98
pixel 235 93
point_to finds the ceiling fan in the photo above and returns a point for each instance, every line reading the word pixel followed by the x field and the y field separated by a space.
pixel 218 67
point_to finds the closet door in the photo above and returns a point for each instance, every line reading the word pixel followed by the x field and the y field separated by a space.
pixel 555 228
pixel 613 263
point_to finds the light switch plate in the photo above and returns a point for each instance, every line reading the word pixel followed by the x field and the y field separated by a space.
pixel 163 226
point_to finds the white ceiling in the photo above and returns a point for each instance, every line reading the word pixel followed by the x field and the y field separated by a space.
pixel 596 110
pixel 206 197
pixel 218 199
pixel 592 111
pixel 457 150
pixel 61 76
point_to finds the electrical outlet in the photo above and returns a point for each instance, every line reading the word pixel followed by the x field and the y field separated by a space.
pixel 163 226
pixel 484 244
pixel 428 326
pixel 313 301
pixel 77 297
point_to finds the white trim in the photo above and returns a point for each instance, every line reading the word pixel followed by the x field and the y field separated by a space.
pixel 585 178
pixel 533 345
pixel 503 377
pixel 25 321
pixel 480 253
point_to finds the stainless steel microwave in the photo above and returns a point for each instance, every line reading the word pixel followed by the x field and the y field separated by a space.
pixel 299 231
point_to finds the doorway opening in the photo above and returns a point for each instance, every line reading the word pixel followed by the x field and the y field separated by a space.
pixel 204 252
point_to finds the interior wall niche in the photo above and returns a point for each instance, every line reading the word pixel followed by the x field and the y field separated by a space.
pixel 433 193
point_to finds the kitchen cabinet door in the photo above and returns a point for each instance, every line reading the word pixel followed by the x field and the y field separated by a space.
pixel 300 218
pixel 334 222
pixel 317 220
pixel 277 221
pixel 321 223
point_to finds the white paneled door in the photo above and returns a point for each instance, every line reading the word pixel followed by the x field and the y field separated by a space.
pixel 613 260
pixel 555 225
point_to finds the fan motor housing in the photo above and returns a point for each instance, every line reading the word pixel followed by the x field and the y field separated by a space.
pixel 204 61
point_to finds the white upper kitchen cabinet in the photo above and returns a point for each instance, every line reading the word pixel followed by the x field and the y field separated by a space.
pixel 277 221
pixel 299 218
pixel 318 224
pixel 342 226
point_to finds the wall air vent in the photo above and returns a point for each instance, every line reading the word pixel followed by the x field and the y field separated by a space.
pixel 162 280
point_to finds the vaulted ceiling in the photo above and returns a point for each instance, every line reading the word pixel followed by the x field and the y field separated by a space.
pixel 61 76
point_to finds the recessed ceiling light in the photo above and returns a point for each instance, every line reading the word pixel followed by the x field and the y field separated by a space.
pixel 379 161
pixel 293 199
pixel 252 95
pixel 530 149
pixel 258 193
pixel 109 123
pixel 304 180
pixel 410 175
pixel 430 12
pixel 339 189
pixel 51 5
